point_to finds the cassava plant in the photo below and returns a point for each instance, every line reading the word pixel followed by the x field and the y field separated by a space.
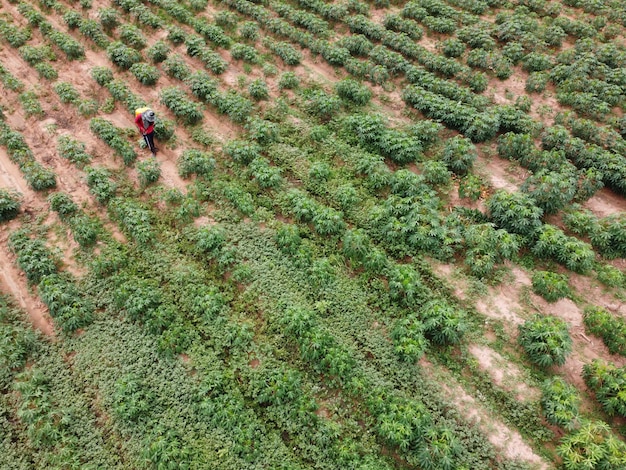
pixel 546 340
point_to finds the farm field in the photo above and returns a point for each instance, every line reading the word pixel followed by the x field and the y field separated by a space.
pixel 376 235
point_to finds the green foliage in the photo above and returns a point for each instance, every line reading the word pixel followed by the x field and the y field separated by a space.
pixel 443 323
pixel 453 48
pixel 109 18
pixel 546 340
pixel 235 105
pixel 459 155
pixel 258 89
pixel 288 81
pixel 122 55
pixel 38 176
pixel 63 204
pixel 34 55
pixel 100 184
pixel 175 66
pixel 113 137
pixel 285 51
pixel 185 109
pixel 134 218
pixel 102 75
pixel 573 253
pixel 132 399
pixel 145 73
pixel 67 93
pixel 158 51
pixel 65 302
pixel 148 171
pixel 33 257
pixel 487 246
pixel 515 212
pixel 560 401
pixel 322 105
pixel 10 203
pixel 193 161
pixel 30 102
pixel 163 129
pixel 610 276
pixel 609 384
pixel 85 230
pixel 131 36
pixel 353 92
pixel 611 328
pixel 73 150
pixel 408 339
pixel 266 175
pixel 593 445
pixel 16 37
pixel 551 190
pixel 551 286
pixel 249 30
pixel 245 53
pixel 436 172
pixel 242 151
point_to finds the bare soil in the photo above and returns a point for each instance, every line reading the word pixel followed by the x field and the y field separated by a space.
pixel 506 440
pixel 504 373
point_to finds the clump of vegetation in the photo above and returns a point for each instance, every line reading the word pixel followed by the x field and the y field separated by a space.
pixel 10 203
pixel 609 384
pixel 592 445
pixel 195 162
pixel 560 402
pixel 73 150
pixel 148 171
pixel 546 340
pixel 611 328
pixel 551 286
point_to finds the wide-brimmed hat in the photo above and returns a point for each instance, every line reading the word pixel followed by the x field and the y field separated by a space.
pixel 149 115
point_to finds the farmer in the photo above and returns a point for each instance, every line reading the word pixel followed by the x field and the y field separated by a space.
pixel 144 118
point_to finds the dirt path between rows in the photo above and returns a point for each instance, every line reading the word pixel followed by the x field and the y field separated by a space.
pixel 507 441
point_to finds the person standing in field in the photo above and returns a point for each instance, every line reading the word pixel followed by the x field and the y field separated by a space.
pixel 144 119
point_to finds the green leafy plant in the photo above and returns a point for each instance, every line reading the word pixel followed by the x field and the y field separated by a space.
pixel 515 212
pixel 85 229
pixel 258 89
pixel 67 93
pixel 193 161
pixel 560 402
pixel 73 150
pixel 33 257
pixel 353 92
pixel 551 286
pixel 175 66
pixel 546 340
pixel 64 300
pixel 30 102
pixel 113 137
pixel 593 445
pixel 10 203
pixel 611 328
pixel 408 338
pixel 102 75
pixel 100 184
pixel 609 384
pixel 122 55
pixel 288 81
pixel 145 73
pixel 185 109
pixel 459 155
pixel 148 171
pixel 131 36
pixel 63 204
pixel 158 52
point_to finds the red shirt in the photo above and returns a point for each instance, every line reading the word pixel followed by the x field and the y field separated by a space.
pixel 139 122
